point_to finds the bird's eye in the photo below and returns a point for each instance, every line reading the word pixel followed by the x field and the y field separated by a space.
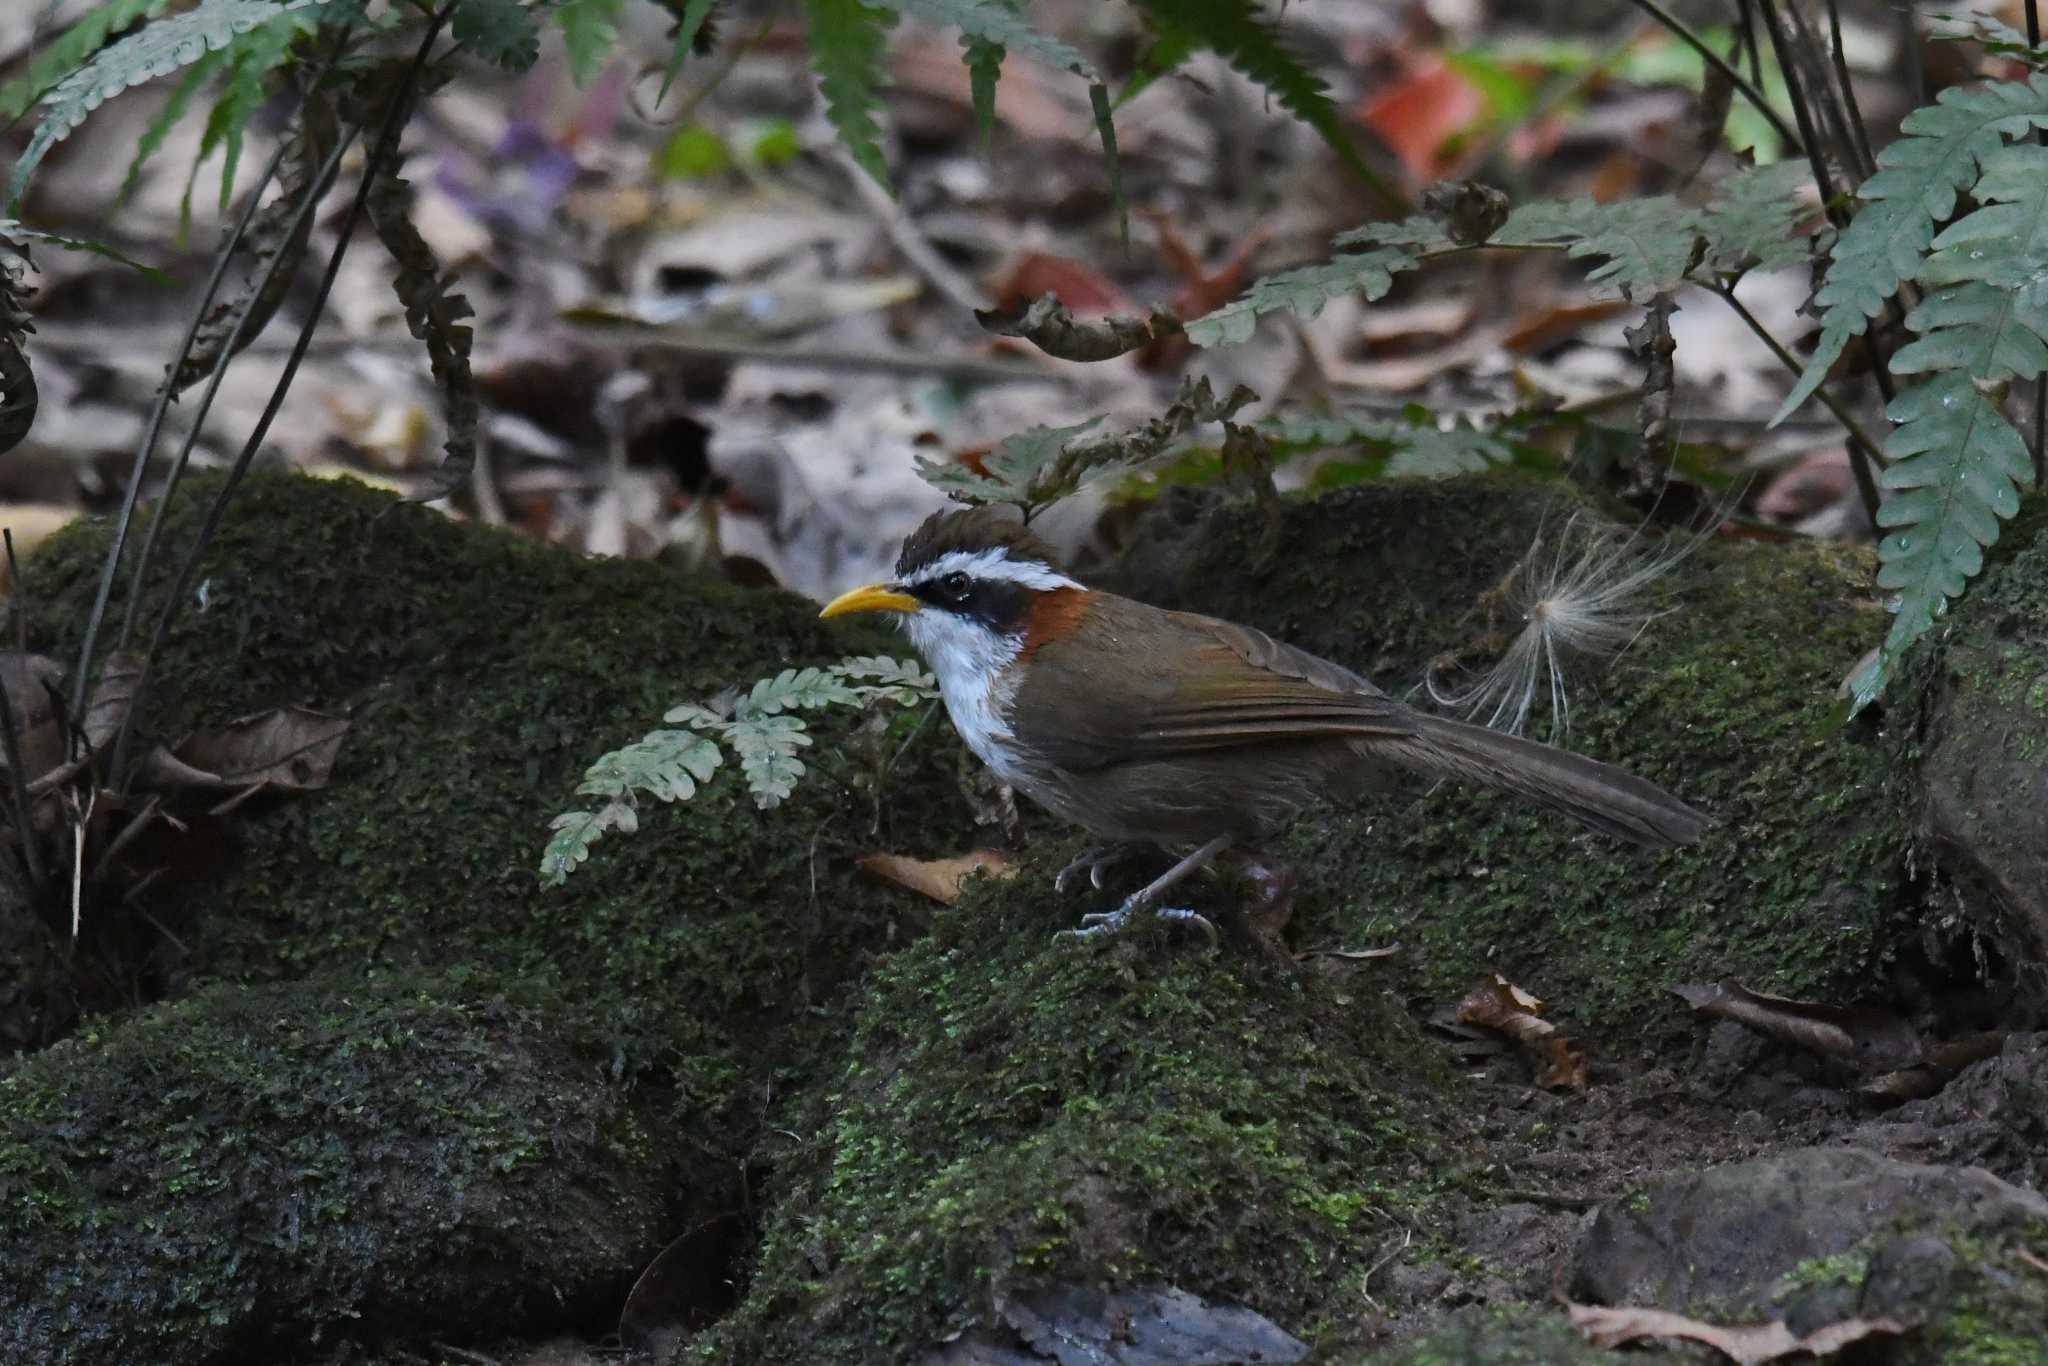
pixel 955 584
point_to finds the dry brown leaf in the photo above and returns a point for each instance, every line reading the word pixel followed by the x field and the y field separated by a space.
pixel 1352 955
pixel 1749 1344
pixel 290 749
pixel 29 679
pixel 1866 1037
pixel 940 878
pixel 111 698
pixel 1500 1005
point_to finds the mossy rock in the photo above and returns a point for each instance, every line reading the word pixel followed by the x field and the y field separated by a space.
pixel 1727 699
pixel 922 1121
pixel 1015 1111
pixel 236 1175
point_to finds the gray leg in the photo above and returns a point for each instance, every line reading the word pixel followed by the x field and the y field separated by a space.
pixel 1108 922
pixel 1094 861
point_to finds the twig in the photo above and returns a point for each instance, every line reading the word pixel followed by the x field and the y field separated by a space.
pixel 1721 64
pixel 916 250
pixel 1863 452
pixel 15 596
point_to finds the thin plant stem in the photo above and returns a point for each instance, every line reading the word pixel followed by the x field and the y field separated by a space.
pixel 1721 64
pixel 166 391
pixel 1806 46
pixel 1780 46
pixel 1859 135
pixel 382 150
pixel 1863 457
pixel 1745 19
pixel 315 191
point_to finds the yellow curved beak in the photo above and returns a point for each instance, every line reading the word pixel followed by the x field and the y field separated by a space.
pixel 875 597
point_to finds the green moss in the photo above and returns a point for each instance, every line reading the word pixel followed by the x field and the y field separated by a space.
pixel 484 672
pixel 1724 700
pixel 1016 1111
pixel 219 1177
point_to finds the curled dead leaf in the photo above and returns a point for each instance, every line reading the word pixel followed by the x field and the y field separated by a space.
pixel 29 681
pixel 938 879
pixel 290 749
pixel 1500 1005
pixel 1866 1037
pixel 1748 1344
pixel 1935 1068
pixel 112 698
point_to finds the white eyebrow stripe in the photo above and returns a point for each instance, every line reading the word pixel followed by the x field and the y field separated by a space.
pixel 993 564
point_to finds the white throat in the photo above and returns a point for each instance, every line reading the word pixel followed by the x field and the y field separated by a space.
pixel 972 663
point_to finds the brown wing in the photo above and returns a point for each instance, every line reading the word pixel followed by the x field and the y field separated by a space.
pixel 1130 681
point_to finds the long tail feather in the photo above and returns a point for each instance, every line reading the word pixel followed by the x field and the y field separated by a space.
pixel 1600 796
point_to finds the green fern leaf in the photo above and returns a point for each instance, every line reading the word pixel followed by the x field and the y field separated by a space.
pixel 1012 467
pixel 575 832
pixel 17 235
pixel 68 52
pixel 157 49
pixel 1955 462
pixel 902 681
pixel 1753 222
pixel 1643 245
pixel 997 22
pixel 1408 449
pixel 1303 290
pixel 767 746
pixel 984 68
pixel 249 61
pixel 590 30
pixel 502 32
pixel 848 44
pixel 665 764
pixel 165 119
pixel 695 15
pixel 1919 176
pixel 1238 32
pixel 795 689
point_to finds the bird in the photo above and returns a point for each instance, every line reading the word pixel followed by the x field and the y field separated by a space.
pixel 1195 735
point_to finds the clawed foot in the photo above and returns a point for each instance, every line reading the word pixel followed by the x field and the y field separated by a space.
pixel 1093 862
pixel 1113 922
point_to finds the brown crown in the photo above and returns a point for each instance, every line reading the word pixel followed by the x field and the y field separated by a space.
pixel 970 529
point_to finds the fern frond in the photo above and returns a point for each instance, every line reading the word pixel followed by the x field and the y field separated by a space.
pixel 848 42
pixel 502 32
pixel 1936 157
pixel 1413 450
pixel 246 71
pixel 1643 245
pixel 590 30
pixel 1302 291
pixel 18 235
pixel 693 18
pixel 1239 32
pixel 1010 469
pixel 167 118
pixel 901 681
pixel 575 832
pixel 994 21
pixel 665 764
pixel 794 690
pixel 766 747
pixel 157 49
pixel 984 68
pixel 1753 222
pixel 68 51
